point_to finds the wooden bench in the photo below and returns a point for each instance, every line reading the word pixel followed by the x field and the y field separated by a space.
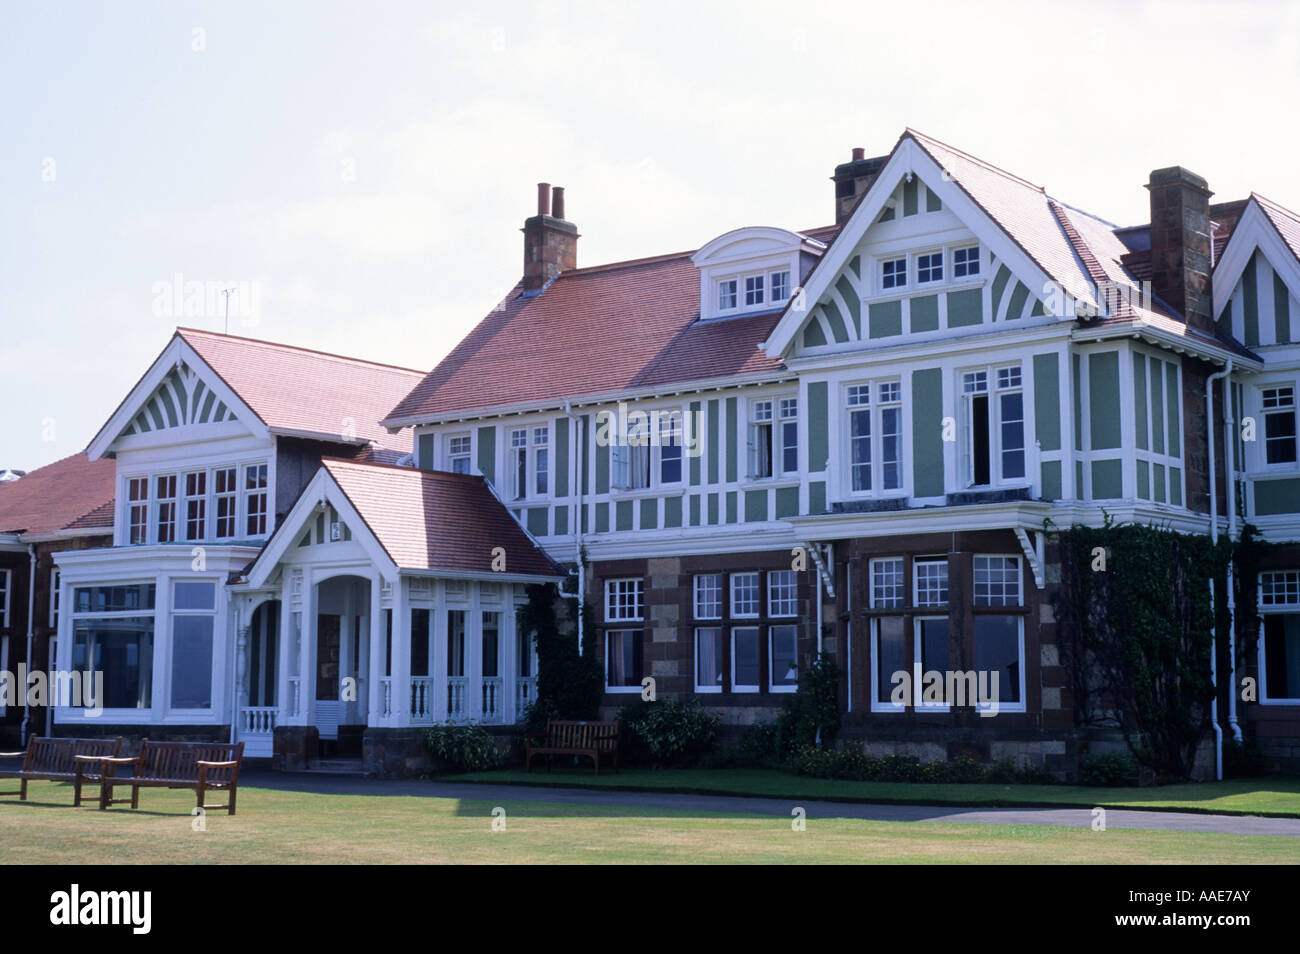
pixel 201 766
pixel 563 737
pixel 59 760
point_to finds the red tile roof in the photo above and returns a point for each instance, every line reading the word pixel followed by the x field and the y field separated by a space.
pixel 72 493
pixel 433 520
pixel 299 390
pixel 593 331
pixel 1284 220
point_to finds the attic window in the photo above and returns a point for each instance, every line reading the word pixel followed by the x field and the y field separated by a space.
pixel 893 273
pixel 727 294
pixel 966 262
pixel 780 286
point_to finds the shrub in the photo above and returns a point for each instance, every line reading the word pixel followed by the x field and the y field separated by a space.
pixel 757 748
pixel 853 765
pixel 467 748
pixel 1108 769
pixel 668 732
pixel 1243 760
pixel 811 715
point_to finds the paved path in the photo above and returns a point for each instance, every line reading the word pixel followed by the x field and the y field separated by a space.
pixel 664 801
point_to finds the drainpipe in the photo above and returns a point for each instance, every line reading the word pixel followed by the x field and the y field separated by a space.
pixel 1214 538
pixel 31 637
pixel 580 443
pixel 1230 469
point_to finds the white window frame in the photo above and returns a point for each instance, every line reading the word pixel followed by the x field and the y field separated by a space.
pixel 624 630
pixel 740 291
pixel 614 605
pixel 758 595
pixel 170 655
pixel 1288 605
pixel 7 578
pixel 929 254
pixel 771 657
pixel 775 610
pixel 875 704
pixel 978 261
pixel 917 563
pixel 1020 579
pixel 917 701
pixel 1266 412
pixel 711 688
pixel 875 409
pixel 1003 705
pixel 55 596
pixel 636 459
pixel 993 391
pixel 900 282
pixel 450 456
pixel 701 588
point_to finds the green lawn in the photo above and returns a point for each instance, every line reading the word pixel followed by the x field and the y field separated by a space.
pixel 1278 796
pixel 290 827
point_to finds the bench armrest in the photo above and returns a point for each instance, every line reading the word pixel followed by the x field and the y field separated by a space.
pixel 99 758
pixel 115 759
pixel 12 755
pixel 216 764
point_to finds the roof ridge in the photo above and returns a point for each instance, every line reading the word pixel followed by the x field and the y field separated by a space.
pixel 628 263
pixel 1078 243
pixel 919 136
pixel 1265 200
pixel 183 331
pixel 417 471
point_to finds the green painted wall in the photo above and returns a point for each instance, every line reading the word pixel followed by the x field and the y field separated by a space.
pixel 695 510
pixel 852 302
pixel 1156 388
pixel 1051 480
pixel 927 432
pixel 835 320
pixel 1018 298
pixel 733 431
pixel 732 504
pixel 714 516
pixel 694 467
pixel 1140 399
pixel 602 518
pixel 424 456
pixel 818 421
pixel 813 336
pixel 1158 491
pixel 713 450
pixel 755 505
pixel 1103 399
pixel 1000 280
pixel 561 521
pixel 1173 418
pixel 649 513
pixel 787 502
pixel 1143 480
pixel 1281 311
pixel 487 453
pixel 536 517
pixel 817 496
pixel 932 201
pixel 1078 403
pixel 602 468
pixel 561 457
pixel 965 308
pixel 925 313
pixel 1250 303
pixel 586 454
pixel 909 197
pixel 673 511
pixel 623 515
pixel 1047 401
pixel 884 320
pixel 1175 486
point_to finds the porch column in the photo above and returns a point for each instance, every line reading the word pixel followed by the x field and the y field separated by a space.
pixel 375 682
pixel 474 656
pixel 361 706
pixel 438 664
pixel 307 651
pixel 346 636
pixel 401 653
pixel 241 671
pixel 508 657
pixel 287 661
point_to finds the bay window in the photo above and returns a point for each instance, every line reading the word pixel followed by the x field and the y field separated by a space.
pixel 255 496
pixel 193 619
pixel 224 481
pixel 196 499
pixel 166 497
pixel 137 512
pixel 113 634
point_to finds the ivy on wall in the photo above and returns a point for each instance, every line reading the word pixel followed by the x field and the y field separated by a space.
pixel 569 685
pixel 1135 618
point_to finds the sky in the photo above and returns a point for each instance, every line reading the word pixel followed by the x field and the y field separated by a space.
pixel 359 172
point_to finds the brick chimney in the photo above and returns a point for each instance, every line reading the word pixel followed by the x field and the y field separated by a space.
pixel 550 242
pixel 1180 244
pixel 853 178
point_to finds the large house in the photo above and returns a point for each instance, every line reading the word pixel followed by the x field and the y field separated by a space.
pixel 845 440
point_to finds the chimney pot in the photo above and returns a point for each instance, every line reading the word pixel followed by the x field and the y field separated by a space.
pixel 543 198
pixel 550 243
pixel 557 202
pixel 859 153
pixel 853 178
pixel 1181 244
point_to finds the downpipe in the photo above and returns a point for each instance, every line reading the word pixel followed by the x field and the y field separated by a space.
pixel 1214 538
pixel 31 639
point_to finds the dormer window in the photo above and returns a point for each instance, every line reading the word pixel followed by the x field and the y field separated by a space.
pixel 966 262
pixel 893 273
pixel 753 290
pixel 780 286
pixel 727 295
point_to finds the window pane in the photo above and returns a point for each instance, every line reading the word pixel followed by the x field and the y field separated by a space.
pixel 419 642
pixel 708 596
pixel 890 655
pixel 623 657
pixel 785 656
pixel 997 581
pixel 491 644
pixel 860 439
pixel 195 595
pixel 744 657
pixel 1282 655
pixel 997 650
pixel 887 583
pixel 191 662
pixel 708 658
pixel 113 599
pixel 931 582
pixel 782 593
pixel 1013 435
pixel 891 455
pixel 934 645
pixel 455 642
pixel 744 594
pixel 122 649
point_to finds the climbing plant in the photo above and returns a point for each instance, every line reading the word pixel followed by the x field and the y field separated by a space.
pixel 569 683
pixel 1135 616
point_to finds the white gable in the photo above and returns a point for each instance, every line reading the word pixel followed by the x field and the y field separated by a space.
pixel 752 259
pixel 1256 284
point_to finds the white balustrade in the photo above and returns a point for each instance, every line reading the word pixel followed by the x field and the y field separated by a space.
pixel 422 699
pixel 491 711
pixel 525 693
pixel 456 686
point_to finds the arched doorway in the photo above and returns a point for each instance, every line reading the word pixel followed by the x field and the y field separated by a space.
pixel 342 636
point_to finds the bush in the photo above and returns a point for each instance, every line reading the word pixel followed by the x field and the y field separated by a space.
pixel 1243 760
pixel 757 748
pixel 1108 770
pixel 811 716
pixel 467 748
pixel 852 765
pixel 667 732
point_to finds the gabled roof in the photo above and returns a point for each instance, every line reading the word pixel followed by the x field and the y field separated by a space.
pixel 74 493
pixel 593 331
pixel 416 520
pixel 1284 220
pixel 278 389
pixel 1272 229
